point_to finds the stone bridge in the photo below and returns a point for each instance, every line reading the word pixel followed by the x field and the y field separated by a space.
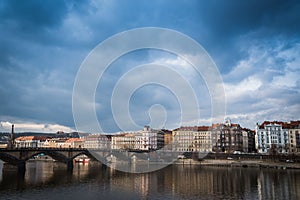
pixel 18 157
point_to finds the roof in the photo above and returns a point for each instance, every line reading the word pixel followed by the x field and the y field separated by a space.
pixel 285 125
pixel 165 131
pixel 192 128
pixel 70 140
pixel 247 129
pixel 26 138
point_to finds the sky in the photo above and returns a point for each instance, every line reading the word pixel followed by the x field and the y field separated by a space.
pixel 254 44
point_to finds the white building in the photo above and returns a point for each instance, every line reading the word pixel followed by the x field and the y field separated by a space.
pixel 149 139
pixel 145 140
pixel 271 137
pixel 30 141
pixel 97 141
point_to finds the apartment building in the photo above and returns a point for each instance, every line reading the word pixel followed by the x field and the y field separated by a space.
pixel 272 137
pixel 124 141
pixel 30 141
pixel 294 136
pixel 192 139
pixel 248 140
pixel 227 137
pixel 97 141
pixel 149 139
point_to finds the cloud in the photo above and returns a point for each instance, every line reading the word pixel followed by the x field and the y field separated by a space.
pixel 32 13
pixel 34 127
pixel 246 87
pixel 265 85
pixel 230 27
pixel 254 44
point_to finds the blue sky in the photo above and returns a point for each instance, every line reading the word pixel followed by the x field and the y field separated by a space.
pixel 255 45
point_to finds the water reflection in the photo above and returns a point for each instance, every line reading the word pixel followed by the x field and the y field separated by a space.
pixel 172 182
pixel 1 168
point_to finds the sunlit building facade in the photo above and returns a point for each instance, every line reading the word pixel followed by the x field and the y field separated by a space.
pixel 97 141
pixel 272 137
pixel 192 139
pixel 144 140
pixel 294 136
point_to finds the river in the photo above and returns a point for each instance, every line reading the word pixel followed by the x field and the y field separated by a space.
pixel 51 180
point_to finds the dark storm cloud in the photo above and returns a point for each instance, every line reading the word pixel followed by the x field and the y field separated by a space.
pixel 234 25
pixel 27 63
pixel 232 18
pixel 33 14
pixel 42 44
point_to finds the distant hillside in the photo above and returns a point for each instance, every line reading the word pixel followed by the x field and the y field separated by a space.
pixel 61 135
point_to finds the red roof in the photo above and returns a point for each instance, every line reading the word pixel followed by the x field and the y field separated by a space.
pixel 285 125
pixel 23 138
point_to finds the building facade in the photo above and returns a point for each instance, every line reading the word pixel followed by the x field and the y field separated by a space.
pixel 248 140
pixel 192 139
pixel 124 141
pixel 227 137
pixel 167 139
pixel 149 139
pixel 272 137
pixel 30 141
pixel 294 136
pixel 97 141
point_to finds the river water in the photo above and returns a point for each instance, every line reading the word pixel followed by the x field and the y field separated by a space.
pixel 51 180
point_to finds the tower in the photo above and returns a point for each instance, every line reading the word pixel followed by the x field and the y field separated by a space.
pixel 11 140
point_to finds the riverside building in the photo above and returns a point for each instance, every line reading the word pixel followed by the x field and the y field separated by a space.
pixel 294 136
pixel 97 141
pixel 144 140
pixel 227 137
pixel 272 137
pixel 192 139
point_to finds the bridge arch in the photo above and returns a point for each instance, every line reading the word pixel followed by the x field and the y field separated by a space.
pixel 18 157
pixel 5 157
pixel 53 154
pixel 87 153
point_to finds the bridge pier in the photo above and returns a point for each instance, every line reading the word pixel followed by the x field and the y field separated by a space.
pixel 70 165
pixel 21 166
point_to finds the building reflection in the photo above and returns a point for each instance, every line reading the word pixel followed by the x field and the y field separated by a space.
pixel 212 182
pixel 174 181
pixel 1 168
pixel 278 184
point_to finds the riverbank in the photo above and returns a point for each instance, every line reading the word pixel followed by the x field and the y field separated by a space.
pixel 240 163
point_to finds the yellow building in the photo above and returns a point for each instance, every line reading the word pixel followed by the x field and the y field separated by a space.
pixel 294 136
pixel 192 139
pixel 124 141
